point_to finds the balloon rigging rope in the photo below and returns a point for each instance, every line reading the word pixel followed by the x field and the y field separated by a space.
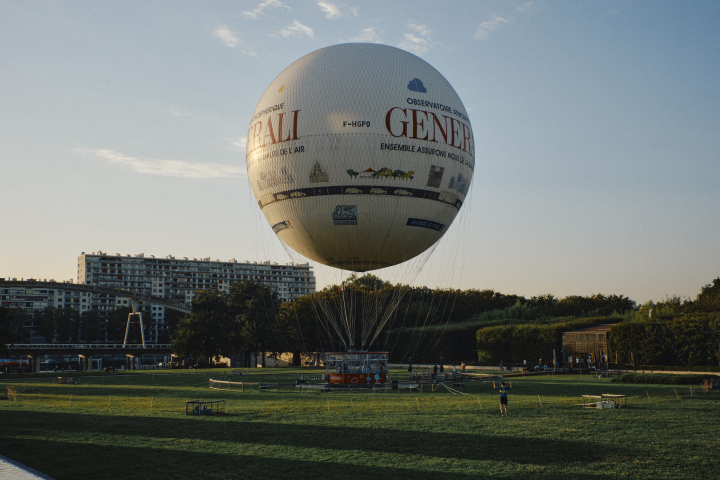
pixel 379 304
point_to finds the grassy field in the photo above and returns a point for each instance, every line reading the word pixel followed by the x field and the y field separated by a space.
pixel 134 427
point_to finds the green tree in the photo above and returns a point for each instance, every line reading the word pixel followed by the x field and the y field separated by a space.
pixel 299 322
pixel 67 325
pixel 708 300
pixel 12 322
pixel 224 324
pixel 46 323
pixel 116 323
pixel 368 281
pixel 91 326
pixel 204 335
pixel 255 306
pixel 172 318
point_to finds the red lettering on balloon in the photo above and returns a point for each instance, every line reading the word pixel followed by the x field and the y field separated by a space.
pixel 460 135
pixel 404 124
pixel 466 137
pixel 418 123
pixel 274 133
pixel 437 125
pixel 269 133
pixel 295 124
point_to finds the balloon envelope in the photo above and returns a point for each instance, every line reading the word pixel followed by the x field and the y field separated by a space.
pixel 360 156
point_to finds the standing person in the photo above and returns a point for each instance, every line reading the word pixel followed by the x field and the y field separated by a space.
pixel 501 367
pixel 503 396
pixel 434 374
pixel 462 367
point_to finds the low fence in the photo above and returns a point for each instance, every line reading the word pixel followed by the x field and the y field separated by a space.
pixel 372 402
pixel 150 404
pixel 227 385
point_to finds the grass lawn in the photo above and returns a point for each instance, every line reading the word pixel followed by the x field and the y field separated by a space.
pixel 134 427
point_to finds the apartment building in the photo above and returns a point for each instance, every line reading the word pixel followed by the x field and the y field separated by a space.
pixel 181 279
pixel 177 279
pixel 33 299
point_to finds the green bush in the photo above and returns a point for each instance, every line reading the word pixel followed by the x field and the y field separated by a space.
pixel 515 343
pixel 661 378
pixel 686 340
pixel 453 342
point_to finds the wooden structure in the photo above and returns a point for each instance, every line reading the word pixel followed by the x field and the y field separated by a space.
pixel 204 407
pixel 586 347
pixel 356 369
pixel 710 384
pixel 9 393
pixel 67 380
pixel 606 400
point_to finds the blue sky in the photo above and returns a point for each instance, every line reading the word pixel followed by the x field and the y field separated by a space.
pixel 597 127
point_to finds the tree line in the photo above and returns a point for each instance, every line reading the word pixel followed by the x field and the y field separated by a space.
pixel 66 325
pixel 426 325
pixel 673 332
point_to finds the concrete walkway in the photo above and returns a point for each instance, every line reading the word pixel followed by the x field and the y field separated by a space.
pixel 12 470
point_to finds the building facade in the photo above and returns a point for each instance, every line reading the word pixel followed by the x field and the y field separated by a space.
pixel 169 278
pixel 181 279
pixel 586 346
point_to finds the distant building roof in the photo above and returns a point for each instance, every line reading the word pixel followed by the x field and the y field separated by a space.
pixel 604 328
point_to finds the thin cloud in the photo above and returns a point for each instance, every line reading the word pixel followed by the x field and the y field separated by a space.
pixel 367 35
pixel 333 11
pixel 488 26
pixel 297 29
pixel 166 168
pixel 417 39
pixel 231 39
pixel 227 36
pixel 525 7
pixel 238 143
pixel 179 114
pixel 262 6
pixel 498 20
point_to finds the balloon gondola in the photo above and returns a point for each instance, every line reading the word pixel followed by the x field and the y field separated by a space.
pixel 358 369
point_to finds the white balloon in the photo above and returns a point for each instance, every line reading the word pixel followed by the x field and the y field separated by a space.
pixel 360 156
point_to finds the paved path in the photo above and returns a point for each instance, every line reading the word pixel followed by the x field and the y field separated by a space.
pixel 12 470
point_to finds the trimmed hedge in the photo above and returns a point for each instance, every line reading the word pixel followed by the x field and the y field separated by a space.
pixel 515 343
pixel 454 343
pixel 661 378
pixel 687 341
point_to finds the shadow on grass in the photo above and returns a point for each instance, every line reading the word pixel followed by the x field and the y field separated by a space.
pixel 70 461
pixel 349 442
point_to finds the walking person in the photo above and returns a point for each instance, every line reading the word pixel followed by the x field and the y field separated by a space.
pixel 503 396
pixel 462 367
